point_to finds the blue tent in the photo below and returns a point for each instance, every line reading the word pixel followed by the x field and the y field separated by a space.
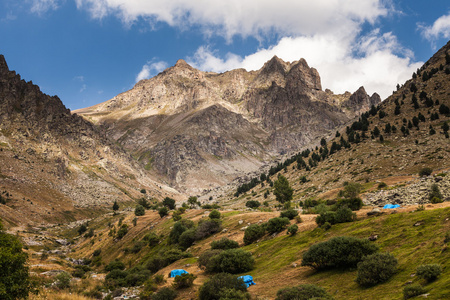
pixel 177 272
pixel 248 280
pixel 390 206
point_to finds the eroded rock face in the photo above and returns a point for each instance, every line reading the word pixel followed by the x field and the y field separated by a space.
pixel 57 160
pixel 201 129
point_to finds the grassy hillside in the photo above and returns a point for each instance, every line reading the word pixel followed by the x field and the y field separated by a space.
pixel 413 237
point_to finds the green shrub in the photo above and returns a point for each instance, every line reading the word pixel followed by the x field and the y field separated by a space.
pixel 63 280
pixel 253 233
pixel 176 215
pixel 187 238
pixel 177 229
pixel 184 281
pixel 151 239
pixel 169 203
pixel 326 217
pixel 163 211
pixel 115 265
pixel 232 261
pixel 253 204
pixel 326 226
pixel 429 272
pixel 137 247
pixel 224 244
pixel 338 252
pixel 344 214
pixel 292 230
pixel 290 214
pixel 435 193
pixel 425 172
pixel 412 291
pixel 351 190
pixel 215 214
pixel 376 268
pixel 205 257
pixel 352 203
pixel 122 231
pixel 382 185
pixel 97 252
pixel 220 285
pixel 165 258
pixel 303 292
pixel 207 227
pixel 275 225
pixel 164 293
pixel 139 210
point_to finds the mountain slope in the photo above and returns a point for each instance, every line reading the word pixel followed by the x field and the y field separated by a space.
pixel 55 165
pixel 200 130
pixel 389 144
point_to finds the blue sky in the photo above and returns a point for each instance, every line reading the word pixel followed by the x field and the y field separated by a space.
pixel 88 51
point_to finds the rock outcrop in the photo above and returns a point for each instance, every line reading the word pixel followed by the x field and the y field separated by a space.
pixel 201 129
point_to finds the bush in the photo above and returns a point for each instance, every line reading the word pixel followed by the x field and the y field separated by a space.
pixel 151 239
pixel 62 280
pixel 253 233
pixel 412 291
pixel 326 217
pixel 351 190
pixel 376 268
pixel 224 244
pixel 205 257
pixel 352 203
pixel 184 281
pixel 122 231
pixel 177 229
pixel 164 293
pixel 163 211
pixel 290 214
pixel 220 285
pixel 292 230
pixel 232 261
pixel 97 252
pixel 215 214
pixel 207 227
pixel 429 272
pixel 139 210
pixel 303 292
pixel 187 238
pixel 169 203
pixel 176 215
pixel 338 252
pixel 115 265
pixel 435 193
pixel 275 225
pixel 344 214
pixel 425 172
pixel 253 204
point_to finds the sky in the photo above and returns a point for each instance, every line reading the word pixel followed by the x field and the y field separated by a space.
pixel 88 51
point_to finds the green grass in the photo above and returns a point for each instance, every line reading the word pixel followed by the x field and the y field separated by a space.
pixel 411 245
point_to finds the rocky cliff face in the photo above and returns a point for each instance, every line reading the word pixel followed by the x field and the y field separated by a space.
pixel 201 129
pixel 54 163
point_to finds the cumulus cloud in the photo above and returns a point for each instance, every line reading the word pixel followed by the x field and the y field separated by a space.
pixel 440 28
pixel 42 6
pixel 150 69
pixel 376 61
pixel 246 18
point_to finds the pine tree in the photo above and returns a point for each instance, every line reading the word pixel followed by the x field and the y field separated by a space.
pixel 282 190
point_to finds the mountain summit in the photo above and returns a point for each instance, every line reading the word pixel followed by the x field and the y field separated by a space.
pixel 200 129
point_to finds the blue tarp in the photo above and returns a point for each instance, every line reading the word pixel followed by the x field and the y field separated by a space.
pixel 390 206
pixel 177 272
pixel 248 280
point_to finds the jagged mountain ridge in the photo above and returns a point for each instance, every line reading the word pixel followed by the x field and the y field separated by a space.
pixel 391 159
pixel 54 163
pixel 247 119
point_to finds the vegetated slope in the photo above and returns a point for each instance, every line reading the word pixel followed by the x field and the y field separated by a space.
pixel 200 130
pixel 413 237
pixel 390 143
pixel 53 163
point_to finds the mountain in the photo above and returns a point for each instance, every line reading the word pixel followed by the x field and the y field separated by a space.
pixel 54 165
pixel 384 149
pixel 200 130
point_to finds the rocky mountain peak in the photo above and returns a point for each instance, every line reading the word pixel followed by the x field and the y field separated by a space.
pixel 181 63
pixel 3 64
pixel 301 75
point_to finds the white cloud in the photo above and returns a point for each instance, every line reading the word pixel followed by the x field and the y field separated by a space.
pixel 150 69
pixel 440 28
pixel 83 88
pixel 42 6
pixel 246 18
pixel 377 62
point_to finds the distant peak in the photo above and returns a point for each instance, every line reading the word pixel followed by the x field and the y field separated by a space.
pixel 182 63
pixel 3 64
